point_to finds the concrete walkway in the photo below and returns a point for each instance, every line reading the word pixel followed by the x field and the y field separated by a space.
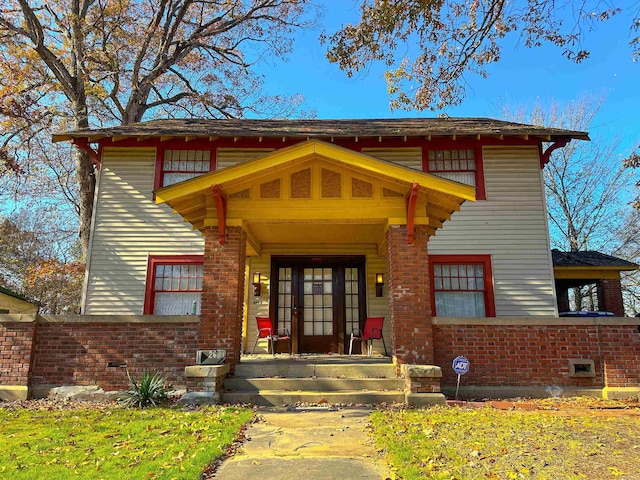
pixel 314 444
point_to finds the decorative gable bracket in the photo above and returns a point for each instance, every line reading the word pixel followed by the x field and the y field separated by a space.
pixel 412 197
pixel 221 207
pixel 546 155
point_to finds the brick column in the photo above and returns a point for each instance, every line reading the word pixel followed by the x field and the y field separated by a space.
pixel 610 297
pixel 409 296
pixel 17 341
pixel 223 293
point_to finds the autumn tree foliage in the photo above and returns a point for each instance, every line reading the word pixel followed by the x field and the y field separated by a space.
pixel 429 45
pixel 75 64
pixel 35 263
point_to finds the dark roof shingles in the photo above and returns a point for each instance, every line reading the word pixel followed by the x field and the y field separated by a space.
pixel 389 127
pixel 589 258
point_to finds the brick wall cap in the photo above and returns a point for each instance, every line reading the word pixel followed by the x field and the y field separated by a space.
pixel 421 371
pixel 205 371
pixel 118 318
pixel 11 393
pixel 555 321
pixel 18 318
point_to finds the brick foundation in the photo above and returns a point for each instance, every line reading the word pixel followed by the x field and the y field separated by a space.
pixel 409 296
pixel 223 293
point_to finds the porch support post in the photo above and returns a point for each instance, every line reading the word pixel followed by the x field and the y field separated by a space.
pixel 223 293
pixel 610 296
pixel 410 296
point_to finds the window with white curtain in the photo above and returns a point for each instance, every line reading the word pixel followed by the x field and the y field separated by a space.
pixel 177 288
pixel 181 165
pixel 458 165
pixel 459 289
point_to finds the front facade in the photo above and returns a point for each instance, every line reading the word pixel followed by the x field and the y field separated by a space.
pixel 316 208
pixel 437 225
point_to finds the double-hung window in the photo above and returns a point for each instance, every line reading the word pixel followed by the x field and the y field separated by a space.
pixel 174 285
pixel 462 286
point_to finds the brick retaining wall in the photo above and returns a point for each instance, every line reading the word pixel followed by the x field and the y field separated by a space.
pixel 79 352
pixel 76 350
pixel 534 352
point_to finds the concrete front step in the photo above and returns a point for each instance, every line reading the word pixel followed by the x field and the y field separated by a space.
pixel 266 398
pixel 308 370
pixel 315 380
pixel 321 384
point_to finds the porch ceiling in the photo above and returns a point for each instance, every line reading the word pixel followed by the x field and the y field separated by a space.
pixel 315 193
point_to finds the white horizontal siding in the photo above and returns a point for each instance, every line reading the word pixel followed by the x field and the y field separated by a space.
pixel 228 157
pixel 511 226
pixel 410 157
pixel 128 227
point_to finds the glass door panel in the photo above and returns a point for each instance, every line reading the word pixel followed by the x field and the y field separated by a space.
pixel 285 300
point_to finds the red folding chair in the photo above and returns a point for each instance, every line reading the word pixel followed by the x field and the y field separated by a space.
pixel 372 331
pixel 265 330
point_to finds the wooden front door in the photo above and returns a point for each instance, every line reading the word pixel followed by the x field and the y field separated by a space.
pixel 320 300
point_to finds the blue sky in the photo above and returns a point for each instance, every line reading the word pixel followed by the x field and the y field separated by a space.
pixel 523 76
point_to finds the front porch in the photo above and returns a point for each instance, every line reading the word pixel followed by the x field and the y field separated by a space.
pixel 316 224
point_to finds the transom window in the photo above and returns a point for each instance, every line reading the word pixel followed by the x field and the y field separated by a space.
pixel 463 165
pixel 174 285
pixel 454 164
pixel 180 165
pixel 462 286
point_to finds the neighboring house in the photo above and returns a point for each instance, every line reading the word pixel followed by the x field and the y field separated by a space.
pixel 579 269
pixel 14 303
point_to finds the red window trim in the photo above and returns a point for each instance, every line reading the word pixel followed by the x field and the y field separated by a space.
pixel 485 260
pixel 153 260
pixel 439 144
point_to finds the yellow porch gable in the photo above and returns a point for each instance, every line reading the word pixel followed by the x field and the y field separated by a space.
pixel 315 193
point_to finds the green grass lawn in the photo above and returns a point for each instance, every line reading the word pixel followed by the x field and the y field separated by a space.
pixel 109 442
pixel 466 444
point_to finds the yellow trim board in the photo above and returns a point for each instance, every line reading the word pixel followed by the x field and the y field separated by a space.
pixel 572 273
pixel 614 393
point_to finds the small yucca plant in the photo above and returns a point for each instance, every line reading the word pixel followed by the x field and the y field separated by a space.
pixel 149 391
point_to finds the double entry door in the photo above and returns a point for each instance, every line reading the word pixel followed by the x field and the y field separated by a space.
pixel 319 300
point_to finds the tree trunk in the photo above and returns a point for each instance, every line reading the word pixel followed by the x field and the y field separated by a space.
pixel 86 186
pixel 85 177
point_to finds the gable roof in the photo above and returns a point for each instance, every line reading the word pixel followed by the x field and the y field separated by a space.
pixel 389 127
pixel 417 197
pixel 590 258
pixel 13 294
